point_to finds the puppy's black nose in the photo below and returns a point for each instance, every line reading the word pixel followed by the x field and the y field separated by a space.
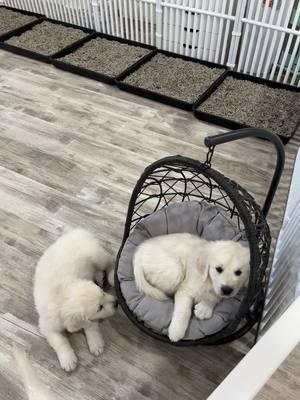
pixel 115 303
pixel 226 290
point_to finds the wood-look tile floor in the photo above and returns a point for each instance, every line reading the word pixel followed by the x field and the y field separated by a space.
pixel 71 150
pixel 285 382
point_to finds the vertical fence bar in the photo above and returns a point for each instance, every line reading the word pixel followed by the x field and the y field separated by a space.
pixel 228 23
pixel 63 11
pixel 42 6
pixel 195 29
pixel 292 59
pixel 59 10
pixel 207 32
pixel 267 38
pixel 106 17
pixel 131 20
pixel 176 36
pixel 236 33
pixel 188 34
pixel 288 45
pixel 89 14
pixel 36 6
pixel 79 12
pixel 46 7
pixel 95 8
pixel 295 74
pixel 182 32
pixel 273 43
pixel 121 18
pixel 73 7
pixel 85 13
pixel 146 13
pixel 75 13
pixel 142 29
pixel 165 27
pixel 282 36
pixel 136 21
pixel 28 5
pixel 171 28
pixel 252 38
pixel 158 17
pixel 246 36
pixel 114 7
pixel 22 5
pixel 54 9
pixel 213 32
pixel 261 30
pixel 152 23
pixel 67 11
pixel 102 17
pixel 220 33
pixel 111 17
pixel 127 33
pixel 201 34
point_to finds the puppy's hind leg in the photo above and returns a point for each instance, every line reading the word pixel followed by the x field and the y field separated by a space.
pixel 94 338
pixel 61 345
pixel 181 316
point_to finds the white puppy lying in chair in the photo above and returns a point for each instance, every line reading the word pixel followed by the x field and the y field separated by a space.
pixel 66 296
pixel 196 271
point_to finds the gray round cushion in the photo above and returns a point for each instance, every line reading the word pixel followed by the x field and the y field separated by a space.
pixel 202 219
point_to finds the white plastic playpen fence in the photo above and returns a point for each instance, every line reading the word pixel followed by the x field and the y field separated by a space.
pixel 284 284
pixel 259 37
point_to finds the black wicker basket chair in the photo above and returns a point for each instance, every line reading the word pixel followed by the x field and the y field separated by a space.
pixel 180 179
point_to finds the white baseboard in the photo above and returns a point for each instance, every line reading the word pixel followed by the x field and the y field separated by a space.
pixel 255 369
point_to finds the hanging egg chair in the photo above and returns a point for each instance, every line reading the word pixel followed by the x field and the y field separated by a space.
pixel 179 194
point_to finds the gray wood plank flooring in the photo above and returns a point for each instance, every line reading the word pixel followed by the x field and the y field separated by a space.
pixel 71 150
pixel 285 382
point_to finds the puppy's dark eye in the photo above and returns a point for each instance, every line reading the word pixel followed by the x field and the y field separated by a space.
pixel 238 272
pixel 219 269
pixel 100 308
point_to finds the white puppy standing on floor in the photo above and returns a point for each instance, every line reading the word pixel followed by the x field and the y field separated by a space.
pixel 196 271
pixel 66 297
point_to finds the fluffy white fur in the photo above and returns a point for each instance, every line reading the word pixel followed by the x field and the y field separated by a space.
pixel 66 296
pixel 197 272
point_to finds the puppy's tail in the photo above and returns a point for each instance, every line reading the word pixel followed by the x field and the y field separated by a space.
pixel 35 389
pixel 144 286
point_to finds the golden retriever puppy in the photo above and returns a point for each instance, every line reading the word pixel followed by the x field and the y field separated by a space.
pixel 66 297
pixel 195 271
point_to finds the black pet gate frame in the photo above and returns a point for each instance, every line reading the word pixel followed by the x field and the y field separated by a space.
pixel 178 179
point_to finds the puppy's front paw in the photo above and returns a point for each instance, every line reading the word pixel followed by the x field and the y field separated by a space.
pixel 96 348
pixel 68 361
pixel 175 332
pixel 203 311
pixel 96 345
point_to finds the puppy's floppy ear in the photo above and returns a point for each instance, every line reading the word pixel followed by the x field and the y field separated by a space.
pixel 203 267
pixel 72 316
pixel 80 300
pixel 74 322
